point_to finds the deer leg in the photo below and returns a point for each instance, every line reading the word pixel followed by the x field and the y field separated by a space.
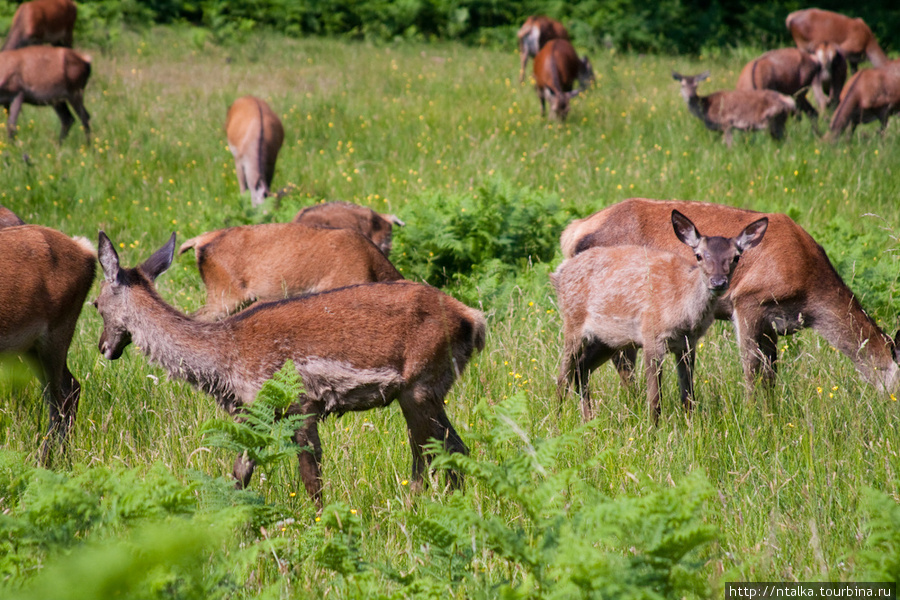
pixel 243 470
pixel 810 111
pixel 426 420
pixel 685 369
pixel 543 99
pixel 14 107
pixel 310 457
pixel 523 58
pixel 776 126
pixel 77 103
pixel 576 369
pixel 625 360
pixel 758 343
pixel 653 372
pixel 241 176
pixel 61 393
pixel 65 117
pixel 727 137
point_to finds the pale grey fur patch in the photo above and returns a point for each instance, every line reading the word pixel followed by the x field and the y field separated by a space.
pixel 532 41
pixel 343 387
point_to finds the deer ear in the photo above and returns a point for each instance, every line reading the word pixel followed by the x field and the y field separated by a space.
pixel 677 76
pixel 897 347
pixel 108 258
pixel 752 234
pixel 703 76
pixel 685 230
pixel 161 260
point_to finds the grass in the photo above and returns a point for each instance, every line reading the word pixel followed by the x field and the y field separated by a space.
pixel 391 126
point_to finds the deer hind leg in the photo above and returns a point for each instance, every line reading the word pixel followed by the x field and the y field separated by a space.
pixel 653 372
pixel 77 102
pixel 625 361
pixel 14 108
pixel 575 371
pixel 758 343
pixel 65 118
pixel 776 125
pixel 310 457
pixel 61 393
pixel 685 369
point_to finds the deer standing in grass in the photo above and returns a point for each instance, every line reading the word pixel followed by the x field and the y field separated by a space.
pixel 45 277
pixel 344 215
pixel 536 32
pixel 779 288
pixel 556 68
pixel 42 22
pixel 241 265
pixel 871 94
pixel 255 135
pixel 623 297
pixel 355 348
pixel 812 26
pixel 743 110
pixel 42 75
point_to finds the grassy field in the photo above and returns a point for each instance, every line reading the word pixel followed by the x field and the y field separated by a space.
pixel 395 127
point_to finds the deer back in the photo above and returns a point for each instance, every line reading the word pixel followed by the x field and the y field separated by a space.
pixel 345 215
pixel 42 22
pixel 43 73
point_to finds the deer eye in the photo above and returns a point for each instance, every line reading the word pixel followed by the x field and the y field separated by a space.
pixel 699 258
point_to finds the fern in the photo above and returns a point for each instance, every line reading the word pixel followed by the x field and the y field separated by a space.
pixel 880 561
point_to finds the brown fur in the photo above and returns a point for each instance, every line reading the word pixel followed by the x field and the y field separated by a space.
pixel 623 297
pixel 344 215
pixel 870 94
pixel 556 68
pixel 44 280
pixel 743 110
pixel 8 218
pixel 813 26
pixel 42 22
pixel 241 265
pixel 536 32
pixel 42 75
pixel 355 348
pixel 255 135
pixel 784 285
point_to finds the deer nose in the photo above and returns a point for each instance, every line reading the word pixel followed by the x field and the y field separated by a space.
pixel 718 283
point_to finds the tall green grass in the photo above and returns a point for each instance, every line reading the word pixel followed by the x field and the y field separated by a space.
pixel 416 130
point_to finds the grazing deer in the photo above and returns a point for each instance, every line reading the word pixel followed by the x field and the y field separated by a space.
pixel 255 135
pixel 790 71
pixel 345 215
pixel 742 110
pixel 355 348
pixel 44 280
pixel 870 94
pixel 622 297
pixel 779 288
pixel 241 265
pixel 536 32
pixel 42 22
pixel 556 67
pixel 8 218
pixel 43 75
pixel 813 26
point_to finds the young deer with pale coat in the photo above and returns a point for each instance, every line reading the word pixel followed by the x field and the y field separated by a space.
pixel 624 297
pixel 240 265
pixel 355 348
pixel 42 22
pixel 621 297
pixel 255 135
pixel 784 285
pixel 45 277
pixel 743 110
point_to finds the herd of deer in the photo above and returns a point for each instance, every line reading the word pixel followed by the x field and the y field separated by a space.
pixel 769 89
pixel 321 291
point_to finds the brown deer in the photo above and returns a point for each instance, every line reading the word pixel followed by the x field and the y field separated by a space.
pixel 556 67
pixel 42 22
pixel 355 348
pixel 779 288
pixel 8 218
pixel 345 215
pixel 812 26
pixel 743 110
pixel 536 32
pixel 790 71
pixel 255 135
pixel 870 94
pixel 44 280
pixel 622 297
pixel 241 265
pixel 42 75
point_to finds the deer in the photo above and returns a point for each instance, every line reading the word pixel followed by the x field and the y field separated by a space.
pixel 784 285
pixel 8 218
pixel 537 31
pixel 346 215
pixel 45 277
pixel 42 22
pixel 621 297
pixel 870 94
pixel 746 110
pixel 42 75
pixel 249 263
pixel 255 135
pixel 556 67
pixel 791 71
pixel 355 348
pixel 812 26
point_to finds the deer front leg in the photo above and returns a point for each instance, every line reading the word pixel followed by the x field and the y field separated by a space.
pixel 653 373
pixel 14 108
pixel 685 368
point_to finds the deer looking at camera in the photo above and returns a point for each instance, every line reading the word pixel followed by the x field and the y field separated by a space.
pixel 536 32
pixel 743 110
pixel 255 135
pixel 622 297
pixel 42 22
pixel 355 348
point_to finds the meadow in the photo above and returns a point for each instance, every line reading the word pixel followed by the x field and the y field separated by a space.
pixel 799 483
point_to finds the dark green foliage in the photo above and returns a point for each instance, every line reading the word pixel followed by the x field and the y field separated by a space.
pixel 880 561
